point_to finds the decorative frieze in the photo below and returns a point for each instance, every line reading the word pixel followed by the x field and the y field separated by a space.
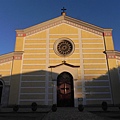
pixel 15 56
pixel 107 33
pixel 82 27
pixel 118 57
pixel 23 34
pixel 20 35
pixel 111 56
pixel 6 59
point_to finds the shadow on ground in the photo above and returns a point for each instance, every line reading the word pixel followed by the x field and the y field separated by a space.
pixel 111 113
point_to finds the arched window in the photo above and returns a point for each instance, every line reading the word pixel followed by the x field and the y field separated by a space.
pixel 1 89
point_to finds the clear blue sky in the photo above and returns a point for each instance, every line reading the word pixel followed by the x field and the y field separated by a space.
pixel 20 14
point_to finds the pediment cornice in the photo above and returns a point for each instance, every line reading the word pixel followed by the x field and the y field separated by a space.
pixel 63 19
pixel 112 54
pixel 11 56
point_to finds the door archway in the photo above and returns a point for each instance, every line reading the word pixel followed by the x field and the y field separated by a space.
pixel 65 90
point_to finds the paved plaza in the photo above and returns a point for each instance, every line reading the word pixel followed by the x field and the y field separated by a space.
pixel 60 114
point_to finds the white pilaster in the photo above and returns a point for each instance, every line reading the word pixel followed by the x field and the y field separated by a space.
pixel 47 65
pixel 81 66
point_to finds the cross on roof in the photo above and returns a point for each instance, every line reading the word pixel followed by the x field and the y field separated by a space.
pixel 63 9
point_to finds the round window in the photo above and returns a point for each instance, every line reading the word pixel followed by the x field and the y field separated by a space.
pixel 64 47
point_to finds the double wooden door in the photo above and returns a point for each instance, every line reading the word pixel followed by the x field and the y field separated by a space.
pixel 65 92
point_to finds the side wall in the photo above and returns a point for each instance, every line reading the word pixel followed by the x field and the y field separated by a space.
pixel 5 74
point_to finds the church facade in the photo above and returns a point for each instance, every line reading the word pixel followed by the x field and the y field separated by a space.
pixel 62 61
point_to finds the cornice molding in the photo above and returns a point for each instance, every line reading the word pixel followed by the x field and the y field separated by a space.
pixel 11 56
pixel 63 19
pixel 112 54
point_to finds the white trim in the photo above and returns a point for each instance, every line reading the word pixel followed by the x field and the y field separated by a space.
pixel 47 64
pixel 63 39
pixel 66 38
pixel 92 39
pixel 75 94
pixel 32 93
pixel 35 48
pixel 33 64
pixel 94 63
pixel 5 70
pixel 91 43
pixel 81 66
pixel 54 87
pixel 34 81
pixel 62 23
pixel 93 93
pixel 66 57
pixel 11 72
pixel 96 69
pixel 31 69
pixel 96 75
pixel 19 90
pixel 32 87
pixel 96 80
pixel 93 48
pixel 35 38
pixel 74 50
pixel 6 62
pixel 34 53
pixel 92 32
pixel 96 86
pixel 34 59
pixel 94 58
pixel 33 75
pixel 50 93
pixel 93 53
pixel 98 99
pixel 35 32
pixel 35 44
pixel 63 34
pixel 30 100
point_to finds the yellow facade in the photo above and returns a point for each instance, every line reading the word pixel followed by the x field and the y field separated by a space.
pixel 33 71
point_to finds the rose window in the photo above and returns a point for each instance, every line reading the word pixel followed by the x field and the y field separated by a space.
pixel 64 47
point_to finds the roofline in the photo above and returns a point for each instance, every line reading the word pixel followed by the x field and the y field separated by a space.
pixel 11 54
pixel 7 54
pixel 42 24
pixel 57 20
pixel 113 52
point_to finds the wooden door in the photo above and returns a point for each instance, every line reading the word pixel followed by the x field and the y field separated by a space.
pixel 65 93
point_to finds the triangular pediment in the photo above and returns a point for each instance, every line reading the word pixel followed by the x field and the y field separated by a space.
pixel 59 20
